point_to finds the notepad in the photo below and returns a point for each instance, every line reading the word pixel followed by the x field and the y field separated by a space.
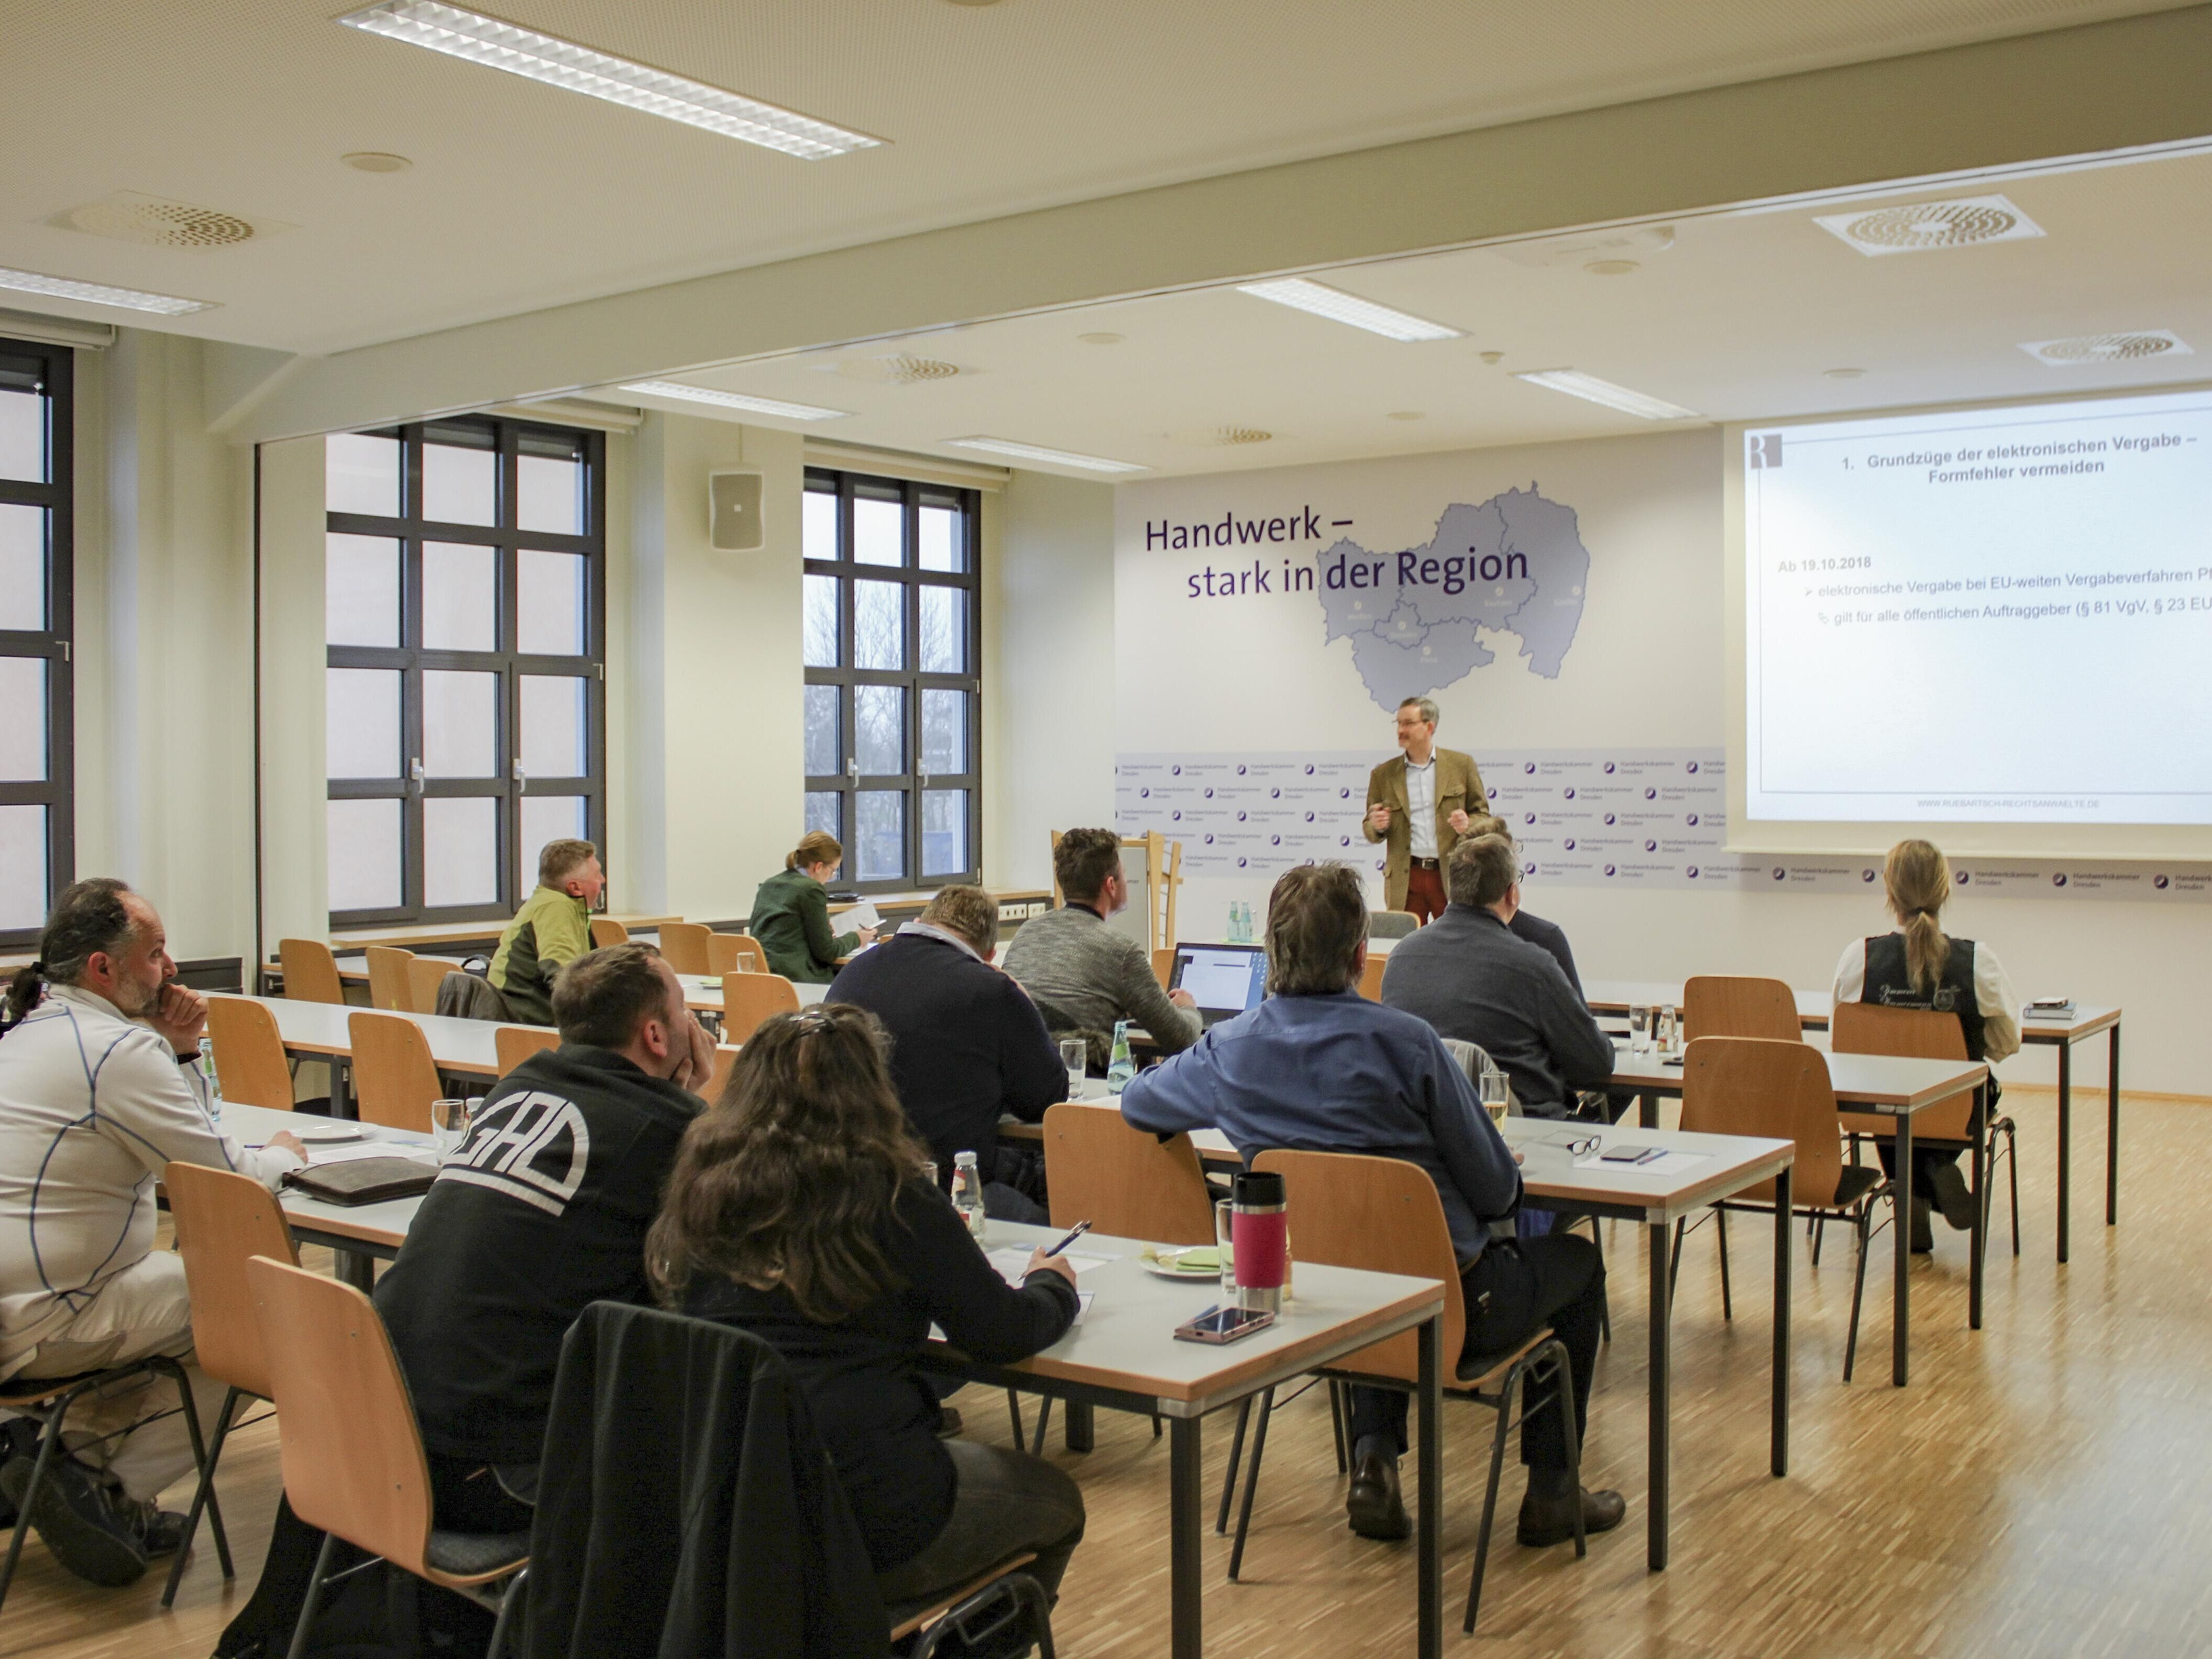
pixel 1013 1264
pixel 863 914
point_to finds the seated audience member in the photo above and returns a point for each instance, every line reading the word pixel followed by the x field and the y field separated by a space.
pixel 1470 978
pixel 508 1248
pixel 553 927
pixel 967 1043
pixel 1548 935
pixel 1318 1067
pixel 1084 974
pixel 99 1087
pixel 799 1211
pixel 1918 965
pixel 791 915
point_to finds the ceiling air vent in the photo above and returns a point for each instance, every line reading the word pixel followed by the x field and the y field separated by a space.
pixel 1220 437
pixel 1918 227
pixel 130 216
pixel 899 368
pixel 2128 348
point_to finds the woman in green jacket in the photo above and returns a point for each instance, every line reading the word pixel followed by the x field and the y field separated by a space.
pixel 791 915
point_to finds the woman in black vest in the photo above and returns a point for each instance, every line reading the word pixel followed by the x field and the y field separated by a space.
pixel 1918 965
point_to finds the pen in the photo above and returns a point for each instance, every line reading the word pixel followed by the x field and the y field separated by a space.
pixel 1073 1233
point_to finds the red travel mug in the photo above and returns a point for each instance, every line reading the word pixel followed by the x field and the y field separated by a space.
pixel 1260 1233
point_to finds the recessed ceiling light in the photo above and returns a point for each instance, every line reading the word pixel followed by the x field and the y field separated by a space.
pixel 1102 338
pixel 1339 306
pixel 700 394
pixel 99 294
pixel 557 62
pixel 1406 414
pixel 1576 384
pixel 1021 451
pixel 376 161
pixel 1611 267
pixel 1843 373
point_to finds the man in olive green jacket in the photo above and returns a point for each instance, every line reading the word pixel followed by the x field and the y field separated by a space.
pixel 1418 805
pixel 553 927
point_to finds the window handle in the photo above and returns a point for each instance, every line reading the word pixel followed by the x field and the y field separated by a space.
pixel 853 768
pixel 416 773
pixel 522 778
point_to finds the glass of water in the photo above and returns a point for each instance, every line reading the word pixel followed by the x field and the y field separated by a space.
pixel 1075 1055
pixel 1639 1029
pixel 449 1126
pixel 1224 1239
pixel 1669 1030
pixel 1494 1092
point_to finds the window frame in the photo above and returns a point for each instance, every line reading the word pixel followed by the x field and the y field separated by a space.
pixel 507 785
pixel 56 367
pixel 914 781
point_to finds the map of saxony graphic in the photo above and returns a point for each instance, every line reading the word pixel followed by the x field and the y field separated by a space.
pixel 1517 564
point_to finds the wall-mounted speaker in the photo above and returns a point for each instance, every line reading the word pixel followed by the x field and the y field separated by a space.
pixel 734 512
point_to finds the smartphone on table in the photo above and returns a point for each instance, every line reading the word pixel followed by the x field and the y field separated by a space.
pixel 1218 1324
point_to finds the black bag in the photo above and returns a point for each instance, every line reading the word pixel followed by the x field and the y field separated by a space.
pixel 364 1179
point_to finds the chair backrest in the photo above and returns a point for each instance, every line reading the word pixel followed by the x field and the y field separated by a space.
pixel 735 953
pixel 1127 1183
pixel 1391 924
pixel 684 946
pixel 1740 1006
pixel 311 971
pixel 1164 964
pixel 725 1056
pixel 351 1451
pixel 391 981
pixel 1867 1028
pixel 1371 977
pixel 424 975
pixel 1765 1087
pixel 515 1043
pixel 749 998
pixel 223 1221
pixel 1381 1214
pixel 394 1078
pixel 606 931
pixel 249 1054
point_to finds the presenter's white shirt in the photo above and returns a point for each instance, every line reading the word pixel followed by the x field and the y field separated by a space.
pixel 1993 995
pixel 92 1105
pixel 1421 807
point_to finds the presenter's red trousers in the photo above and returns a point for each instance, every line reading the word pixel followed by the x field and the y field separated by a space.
pixel 1424 891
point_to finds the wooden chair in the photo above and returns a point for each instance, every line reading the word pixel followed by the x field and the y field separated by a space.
pixel 749 998
pixel 1163 965
pixel 725 1056
pixel 735 953
pixel 1127 1183
pixel 249 1054
pixel 684 946
pixel 223 1220
pixel 351 1449
pixel 1371 977
pixel 394 1078
pixel 424 975
pixel 1383 1215
pixel 515 1043
pixel 391 981
pixel 311 971
pixel 1867 1028
pixel 1392 923
pixel 1780 1090
pixel 1740 1006
pixel 606 931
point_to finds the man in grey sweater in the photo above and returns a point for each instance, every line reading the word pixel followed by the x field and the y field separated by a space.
pixel 1082 974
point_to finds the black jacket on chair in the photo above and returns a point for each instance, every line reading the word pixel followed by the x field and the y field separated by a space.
pixel 686 1506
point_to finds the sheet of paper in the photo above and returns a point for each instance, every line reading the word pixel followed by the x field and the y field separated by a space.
pixel 1083 1301
pixel 1012 1263
pixel 1670 1163
pixel 862 914
pixel 361 1149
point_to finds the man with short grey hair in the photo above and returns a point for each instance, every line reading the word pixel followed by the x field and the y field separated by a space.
pixel 1418 805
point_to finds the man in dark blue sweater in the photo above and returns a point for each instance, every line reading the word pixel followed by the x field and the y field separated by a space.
pixel 1317 1066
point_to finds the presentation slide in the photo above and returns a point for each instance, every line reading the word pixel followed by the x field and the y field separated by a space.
pixel 2001 615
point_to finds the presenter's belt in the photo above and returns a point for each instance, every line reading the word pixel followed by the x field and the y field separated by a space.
pixel 1427 864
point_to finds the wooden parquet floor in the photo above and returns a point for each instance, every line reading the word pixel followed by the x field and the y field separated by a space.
pixel 2038 1490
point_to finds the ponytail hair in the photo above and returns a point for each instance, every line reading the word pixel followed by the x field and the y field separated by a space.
pixel 1917 878
pixel 88 919
pixel 815 847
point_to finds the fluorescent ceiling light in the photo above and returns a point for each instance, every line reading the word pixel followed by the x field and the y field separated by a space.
pixel 1051 457
pixel 700 394
pixel 99 294
pixel 557 62
pixel 1339 306
pixel 1576 384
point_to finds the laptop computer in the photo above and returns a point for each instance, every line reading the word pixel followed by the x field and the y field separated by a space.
pixel 1223 980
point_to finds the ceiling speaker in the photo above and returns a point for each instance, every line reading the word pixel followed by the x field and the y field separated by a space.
pixel 734 512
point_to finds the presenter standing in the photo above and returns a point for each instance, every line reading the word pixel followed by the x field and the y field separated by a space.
pixel 1417 806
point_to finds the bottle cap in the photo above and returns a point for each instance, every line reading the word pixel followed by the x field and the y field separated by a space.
pixel 1259 1188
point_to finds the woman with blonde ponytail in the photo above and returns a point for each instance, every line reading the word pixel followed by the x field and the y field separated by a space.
pixel 1917 965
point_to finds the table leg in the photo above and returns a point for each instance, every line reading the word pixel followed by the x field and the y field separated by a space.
pixel 1647 1111
pixel 1779 1454
pixel 1186 1618
pixel 2112 1133
pixel 1077 1425
pixel 354 1268
pixel 1431 1621
pixel 2065 1141
pixel 1978 1135
pixel 1900 1337
pixel 1661 1402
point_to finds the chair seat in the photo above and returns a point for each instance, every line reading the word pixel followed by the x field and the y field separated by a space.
pixel 477 1554
pixel 1854 1182
pixel 22 1391
pixel 905 1617
pixel 1474 1369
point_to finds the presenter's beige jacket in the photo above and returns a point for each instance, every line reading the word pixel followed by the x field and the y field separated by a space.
pixel 1459 789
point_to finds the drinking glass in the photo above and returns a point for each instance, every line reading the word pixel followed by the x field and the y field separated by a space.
pixel 1639 1029
pixel 929 1174
pixel 1224 1239
pixel 1494 1092
pixel 1669 1030
pixel 1075 1055
pixel 449 1126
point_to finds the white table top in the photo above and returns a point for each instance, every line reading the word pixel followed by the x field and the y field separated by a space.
pixel 1617 996
pixel 703 991
pixel 320 1028
pixel 1881 1083
pixel 378 1225
pixel 1731 1163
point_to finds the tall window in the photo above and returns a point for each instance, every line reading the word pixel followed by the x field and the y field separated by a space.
pixel 893 699
pixel 466 629
pixel 37 828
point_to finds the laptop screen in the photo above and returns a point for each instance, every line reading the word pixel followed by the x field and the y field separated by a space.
pixel 1222 978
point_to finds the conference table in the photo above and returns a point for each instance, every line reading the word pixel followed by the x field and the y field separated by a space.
pixel 1724 1165
pixel 1121 1355
pixel 703 993
pixel 2061 1032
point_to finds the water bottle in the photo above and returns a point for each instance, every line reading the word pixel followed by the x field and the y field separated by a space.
pixel 1235 925
pixel 968 1191
pixel 214 1080
pixel 1120 1068
pixel 1244 922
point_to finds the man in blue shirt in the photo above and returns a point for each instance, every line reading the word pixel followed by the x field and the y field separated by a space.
pixel 1318 1067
